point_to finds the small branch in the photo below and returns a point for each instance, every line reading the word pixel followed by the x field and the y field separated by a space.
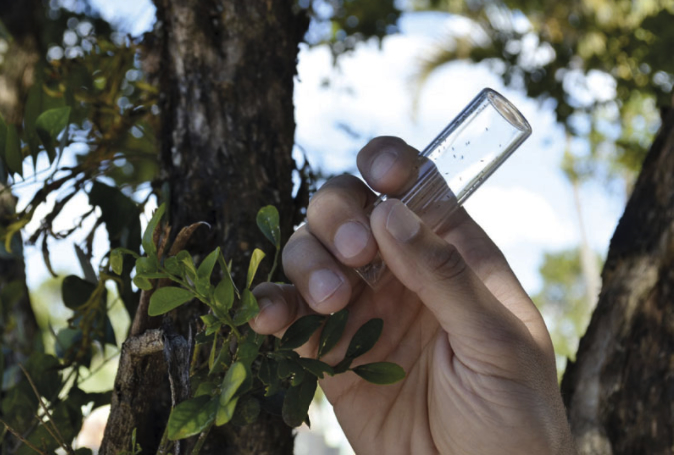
pixel 201 441
pixel 58 437
pixel 21 438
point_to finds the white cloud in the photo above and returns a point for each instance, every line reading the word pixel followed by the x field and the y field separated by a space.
pixel 517 215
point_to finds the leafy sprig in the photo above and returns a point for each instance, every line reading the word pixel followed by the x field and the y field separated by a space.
pixel 240 377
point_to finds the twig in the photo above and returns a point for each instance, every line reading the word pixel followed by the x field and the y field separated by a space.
pixel 58 437
pixel 201 441
pixel 21 438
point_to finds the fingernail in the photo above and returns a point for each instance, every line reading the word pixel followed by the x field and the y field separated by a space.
pixel 402 223
pixel 323 284
pixel 382 164
pixel 351 238
pixel 263 304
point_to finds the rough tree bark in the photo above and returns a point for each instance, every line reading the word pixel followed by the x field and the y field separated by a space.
pixel 619 392
pixel 225 73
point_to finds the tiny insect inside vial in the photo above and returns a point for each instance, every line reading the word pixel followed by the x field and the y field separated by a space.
pixel 444 182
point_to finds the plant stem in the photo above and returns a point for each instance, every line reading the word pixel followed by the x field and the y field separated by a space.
pixel 201 441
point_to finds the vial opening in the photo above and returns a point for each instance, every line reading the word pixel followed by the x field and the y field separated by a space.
pixel 508 111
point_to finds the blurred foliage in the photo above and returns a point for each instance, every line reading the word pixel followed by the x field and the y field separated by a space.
pixel 342 24
pixel 88 130
pixel 564 302
pixel 604 65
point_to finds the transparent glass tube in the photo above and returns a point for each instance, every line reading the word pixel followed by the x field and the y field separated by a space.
pixel 456 163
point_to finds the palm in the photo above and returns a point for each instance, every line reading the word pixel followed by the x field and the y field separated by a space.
pixel 408 340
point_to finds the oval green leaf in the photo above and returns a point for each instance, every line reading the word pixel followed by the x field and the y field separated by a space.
pixel 332 332
pixel 48 127
pixel 235 376
pixel 315 367
pixel 297 401
pixel 365 338
pixel 268 223
pixel 13 154
pixel 142 283
pixel 75 291
pixel 165 299
pixel 380 372
pixel 148 242
pixel 226 412
pixel 206 266
pixel 301 330
pixel 255 260
pixel 117 261
pixel 249 308
pixel 224 296
pixel 191 417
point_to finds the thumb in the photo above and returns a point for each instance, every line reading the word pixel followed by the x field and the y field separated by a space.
pixel 435 270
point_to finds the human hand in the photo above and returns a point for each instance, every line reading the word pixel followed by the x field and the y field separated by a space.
pixel 480 365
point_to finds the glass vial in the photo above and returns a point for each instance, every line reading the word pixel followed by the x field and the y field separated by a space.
pixel 456 163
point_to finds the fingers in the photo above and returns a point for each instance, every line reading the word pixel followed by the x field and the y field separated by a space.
pixel 324 284
pixel 436 271
pixel 337 217
pixel 279 306
pixel 388 164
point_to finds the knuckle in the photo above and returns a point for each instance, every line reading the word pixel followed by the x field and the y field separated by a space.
pixel 444 262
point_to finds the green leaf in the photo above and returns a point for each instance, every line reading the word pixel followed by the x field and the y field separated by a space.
pixel 13 154
pixel 75 291
pixel 153 275
pixel 315 367
pixel 297 401
pixel 146 265
pixel 223 296
pixel 117 261
pixel 33 109
pixel 191 417
pixel 205 388
pixel 147 242
pixel 165 299
pixel 301 330
pixel 247 411
pixel 342 366
pixel 268 374
pixel 268 222
pixel 209 319
pixel 206 266
pixel 380 372
pixel 211 357
pixel 49 125
pixel 222 361
pixel 298 374
pixel 226 412
pixel 248 310
pixel 211 329
pixel 365 338
pixel 142 283
pixel 332 332
pixel 235 376
pixel 255 260
pixel 173 266
pixel 185 258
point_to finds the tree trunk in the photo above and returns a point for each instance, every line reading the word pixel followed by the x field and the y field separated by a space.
pixel 18 327
pixel 619 391
pixel 225 73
